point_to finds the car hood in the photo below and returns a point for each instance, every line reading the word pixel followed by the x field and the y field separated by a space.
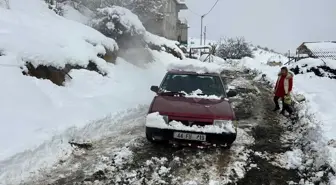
pixel 192 107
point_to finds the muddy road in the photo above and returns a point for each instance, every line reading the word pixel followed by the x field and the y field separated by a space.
pixel 128 158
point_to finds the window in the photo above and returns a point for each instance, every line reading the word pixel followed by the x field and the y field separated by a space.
pixel 188 83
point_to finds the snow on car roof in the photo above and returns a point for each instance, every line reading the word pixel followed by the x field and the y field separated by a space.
pixel 190 72
pixel 195 66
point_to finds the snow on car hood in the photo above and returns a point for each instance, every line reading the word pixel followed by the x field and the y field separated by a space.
pixel 155 120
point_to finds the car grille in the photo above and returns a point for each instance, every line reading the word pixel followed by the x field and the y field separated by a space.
pixel 191 123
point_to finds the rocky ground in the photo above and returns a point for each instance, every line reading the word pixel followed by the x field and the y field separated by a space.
pixel 128 158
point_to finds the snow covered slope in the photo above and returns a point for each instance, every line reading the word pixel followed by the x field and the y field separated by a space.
pixel 37 117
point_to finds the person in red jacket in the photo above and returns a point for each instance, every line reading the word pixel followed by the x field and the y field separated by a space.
pixel 283 87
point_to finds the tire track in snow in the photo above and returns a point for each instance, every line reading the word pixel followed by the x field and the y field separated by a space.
pixel 115 131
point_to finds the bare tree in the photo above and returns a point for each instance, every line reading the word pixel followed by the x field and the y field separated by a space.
pixel 234 48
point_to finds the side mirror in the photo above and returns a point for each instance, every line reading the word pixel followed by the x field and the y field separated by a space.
pixel 154 88
pixel 231 93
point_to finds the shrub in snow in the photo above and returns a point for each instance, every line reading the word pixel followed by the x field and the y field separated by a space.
pixel 147 10
pixel 318 67
pixel 234 48
pixel 120 24
pixel 54 5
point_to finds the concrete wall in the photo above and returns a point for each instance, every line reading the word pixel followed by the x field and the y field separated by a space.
pixel 170 20
pixel 182 33
pixel 168 26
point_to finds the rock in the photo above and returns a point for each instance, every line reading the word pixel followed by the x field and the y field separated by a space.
pixel 85 146
pixel 56 75
pixel 274 63
pixel 299 97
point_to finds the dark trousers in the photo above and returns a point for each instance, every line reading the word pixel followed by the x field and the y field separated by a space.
pixel 285 107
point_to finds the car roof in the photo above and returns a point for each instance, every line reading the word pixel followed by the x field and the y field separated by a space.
pixel 191 72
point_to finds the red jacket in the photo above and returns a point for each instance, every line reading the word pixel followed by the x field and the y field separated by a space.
pixel 284 84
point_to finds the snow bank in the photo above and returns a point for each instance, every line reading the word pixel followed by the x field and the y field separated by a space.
pixel 163 42
pixel 212 58
pixel 151 38
pixel 321 68
pixel 36 110
pixel 155 120
pixel 46 39
pixel 123 16
pixel 71 13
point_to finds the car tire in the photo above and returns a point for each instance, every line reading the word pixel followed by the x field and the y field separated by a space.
pixel 149 138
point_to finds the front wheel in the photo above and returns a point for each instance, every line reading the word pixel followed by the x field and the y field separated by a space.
pixel 149 138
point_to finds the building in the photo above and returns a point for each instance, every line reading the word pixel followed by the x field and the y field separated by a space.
pixel 168 24
pixel 182 31
pixel 325 49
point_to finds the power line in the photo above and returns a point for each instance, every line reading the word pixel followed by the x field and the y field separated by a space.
pixel 212 8
pixel 194 12
pixel 206 13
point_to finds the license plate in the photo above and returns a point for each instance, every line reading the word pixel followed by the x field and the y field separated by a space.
pixel 189 136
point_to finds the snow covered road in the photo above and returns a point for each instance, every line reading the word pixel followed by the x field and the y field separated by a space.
pixel 258 156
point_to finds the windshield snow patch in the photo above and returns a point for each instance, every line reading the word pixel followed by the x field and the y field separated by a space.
pixel 199 94
pixel 155 120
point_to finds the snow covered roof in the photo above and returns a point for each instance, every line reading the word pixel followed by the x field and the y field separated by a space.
pixel 182 4
pixel 325 49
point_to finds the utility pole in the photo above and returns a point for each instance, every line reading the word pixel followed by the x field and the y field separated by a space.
pixel 201 29
pixel 204 35
pixel 202 20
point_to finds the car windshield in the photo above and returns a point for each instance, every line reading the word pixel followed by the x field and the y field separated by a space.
pixel 191 83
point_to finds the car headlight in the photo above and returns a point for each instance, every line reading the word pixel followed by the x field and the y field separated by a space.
pixel 221 123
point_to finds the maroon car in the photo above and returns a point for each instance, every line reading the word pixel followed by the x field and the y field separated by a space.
pixel 192 108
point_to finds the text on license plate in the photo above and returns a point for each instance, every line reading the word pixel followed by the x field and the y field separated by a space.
pixel 189 136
